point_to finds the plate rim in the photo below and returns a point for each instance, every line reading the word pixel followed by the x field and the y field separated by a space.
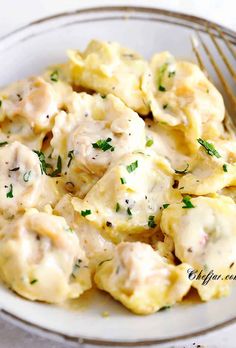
pixel 108 8
pixel 49 333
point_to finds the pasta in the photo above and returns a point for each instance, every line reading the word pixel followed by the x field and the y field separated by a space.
pixel 116 173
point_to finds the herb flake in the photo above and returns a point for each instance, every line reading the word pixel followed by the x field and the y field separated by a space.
pixel 130 168
pixel 86 212
pixel 151 222
pixel 117 207
pixel 10 192
pixel 103 145
pixel 129 212
pixel 43 164
pixel 188 204
pixel 57 172
pixel 164 308
pixel 171 73
pixel 34 281
pixel 225 169
pixel 54 76
pixel 161 88
pixel 149 142
pixel 210 148
pixel 123 181
pixel 3 143
pixel 162 71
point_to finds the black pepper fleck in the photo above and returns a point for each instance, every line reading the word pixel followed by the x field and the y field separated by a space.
pixel 175 184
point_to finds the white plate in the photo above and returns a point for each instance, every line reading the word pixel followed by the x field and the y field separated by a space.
pixel 29 51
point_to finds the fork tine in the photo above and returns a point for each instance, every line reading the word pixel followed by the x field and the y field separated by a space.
pixel 228 122
pixel 199 59
pixel 229 125
pixel 228 44
pixel 217 70
pixel 225 59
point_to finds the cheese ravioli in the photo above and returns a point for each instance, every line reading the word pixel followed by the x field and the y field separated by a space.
pixel 130 196
pixel 205 238
pixel 107 67
pixel 41 258
pixel 181 96
pixel 141 279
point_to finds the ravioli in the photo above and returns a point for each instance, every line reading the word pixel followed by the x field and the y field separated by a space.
pixel 181 96
pixel 141 279
pixel 107 67
pixel 209 173
pixel 205 238
pixel 168 142
pixel 41 258
pixel 98 134
pixel 96 247
pixel 129 198
pixel 22 183
pixel 32 99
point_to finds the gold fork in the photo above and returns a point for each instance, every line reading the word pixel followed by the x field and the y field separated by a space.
pixel 227 45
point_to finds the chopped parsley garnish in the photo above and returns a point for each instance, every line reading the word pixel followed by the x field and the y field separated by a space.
pixel 123 181
pixel 117 207
pixel 160 77
pixel 103 145
pixel 187 201
pixel 182 171
pixel 149 142
pixel 0 103
pixel 166 205
pixel 70 155
pixel 103 96
pixel 129 212
pixel 10 192
pixel 162 88
pixel 151 222
pixel 171 73
pixel 14 169
pixel 3 143
pixel 130 168
pixel 164 308
pixel 165 106
pixel 27 176
pixel 43 164
pixel 86 212
pixel 225 169
pixel 57 172
pixel 54 76
pixel 34 281
pixel 210 149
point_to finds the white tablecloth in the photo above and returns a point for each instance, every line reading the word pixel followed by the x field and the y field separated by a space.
pixel 15 13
